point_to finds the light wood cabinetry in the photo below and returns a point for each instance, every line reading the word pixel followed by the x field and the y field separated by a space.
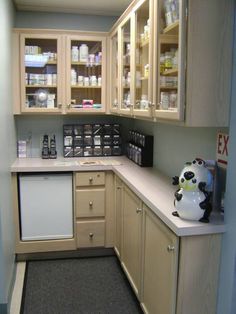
pixel 60 71
pixel 94 209
pixel 90 205
pixel 189 75
pixel 118 215
pixel 159 265
pixel 131 238
pixel 169 274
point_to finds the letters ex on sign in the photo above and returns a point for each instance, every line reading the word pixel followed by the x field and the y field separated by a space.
pixel 222 149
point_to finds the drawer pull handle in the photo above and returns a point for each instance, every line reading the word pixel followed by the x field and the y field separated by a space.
pixel 90 203
pixel 138 210
pixel 90 179
pixel 90 235
pixel 170 248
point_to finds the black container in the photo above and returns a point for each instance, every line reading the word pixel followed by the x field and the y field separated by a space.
pixel 140 148
pixel 92 140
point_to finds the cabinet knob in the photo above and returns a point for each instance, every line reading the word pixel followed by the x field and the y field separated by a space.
pixel 170 248
pixel 90 234
pixel 90 179
pixel 151 104
pixel 90 203
pixel 138 210
pixel 118 187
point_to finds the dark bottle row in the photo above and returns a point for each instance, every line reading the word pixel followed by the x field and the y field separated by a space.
pixel 140 148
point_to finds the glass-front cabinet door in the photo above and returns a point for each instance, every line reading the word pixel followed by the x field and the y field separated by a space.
pixel 114 72
pixel 143 60
pixel 85 72
pixel 170 46
pixel 41 66
pixel 126 78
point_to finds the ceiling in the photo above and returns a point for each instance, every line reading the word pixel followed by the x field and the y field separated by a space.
pixel 91 7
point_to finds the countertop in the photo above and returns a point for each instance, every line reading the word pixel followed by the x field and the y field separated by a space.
pixel 151 186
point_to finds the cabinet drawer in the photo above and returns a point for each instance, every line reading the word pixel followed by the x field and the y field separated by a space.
pixel 90 178
pixel 90 203
pixel 90 233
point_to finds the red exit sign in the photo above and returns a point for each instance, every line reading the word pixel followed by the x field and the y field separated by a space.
pixel 222 149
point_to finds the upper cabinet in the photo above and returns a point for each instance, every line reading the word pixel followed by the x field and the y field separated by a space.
pixel 40 73
pixel 170 58
pixel 59 72
pixel 85 74
pixel 179 68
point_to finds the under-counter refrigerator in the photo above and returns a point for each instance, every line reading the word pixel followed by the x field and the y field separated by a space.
pixel 46 206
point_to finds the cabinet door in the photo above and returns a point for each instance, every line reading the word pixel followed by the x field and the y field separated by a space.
pixel 114 71
pixel 118 217
pixel 143 103
pixel 170 60
pixel 126 77
pixel 160 254
pixel 85 74
pixel 131 238
pixel 41 72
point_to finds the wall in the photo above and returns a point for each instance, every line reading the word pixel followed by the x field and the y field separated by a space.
pixel 64 21
pixel 174 145
pixel 227 302
pixel 8 153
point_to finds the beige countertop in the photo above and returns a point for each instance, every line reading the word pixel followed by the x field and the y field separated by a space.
pixel 153 188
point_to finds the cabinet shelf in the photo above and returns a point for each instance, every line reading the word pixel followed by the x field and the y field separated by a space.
pixel 172 29
pixel 168 39
pixel 88 64
pixel 169 87
pixel 41 86
pixel 86 87
pixel 171 72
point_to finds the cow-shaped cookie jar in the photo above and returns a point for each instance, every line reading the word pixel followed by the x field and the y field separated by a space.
pixel 192 199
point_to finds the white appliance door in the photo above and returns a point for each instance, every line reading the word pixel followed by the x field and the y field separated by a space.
pixel 46 206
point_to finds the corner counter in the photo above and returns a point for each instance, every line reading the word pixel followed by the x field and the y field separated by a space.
pixel 151 186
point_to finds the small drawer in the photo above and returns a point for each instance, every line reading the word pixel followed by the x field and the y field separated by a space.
pixel 90 233
pixel 90 203
pixel 90 178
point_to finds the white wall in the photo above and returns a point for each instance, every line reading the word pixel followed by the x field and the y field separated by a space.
pixel 226 299
pixel 8 152
pixel 64 21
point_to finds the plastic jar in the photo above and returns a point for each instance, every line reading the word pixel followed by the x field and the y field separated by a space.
pixel 144 102
pixel 83 53
pixel 73 77
pixel 74 54
pixel 165 99
pixel 93 80
pixel 168 60
pixel 99 80
pixel 86 81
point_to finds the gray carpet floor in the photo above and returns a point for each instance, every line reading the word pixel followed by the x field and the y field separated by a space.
pixel 78 286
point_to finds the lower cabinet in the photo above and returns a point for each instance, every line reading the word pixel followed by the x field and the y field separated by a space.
pixel 159 265
pixel 118 207
pixel 94 212
pixel 169 274
pixel 131 238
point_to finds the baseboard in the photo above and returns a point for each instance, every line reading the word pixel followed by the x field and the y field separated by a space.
pixel 87 252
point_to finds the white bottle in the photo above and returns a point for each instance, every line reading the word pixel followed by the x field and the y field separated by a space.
pixel 74 54
pixel 93 80
pixel 83 53
pixel 73 77
pixel 99 80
